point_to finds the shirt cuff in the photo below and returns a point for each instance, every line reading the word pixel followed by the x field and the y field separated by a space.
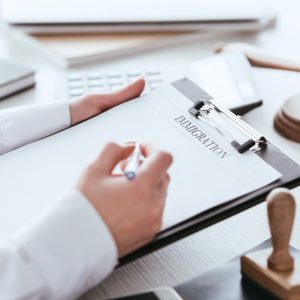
pixel 25 124
pixel 69 245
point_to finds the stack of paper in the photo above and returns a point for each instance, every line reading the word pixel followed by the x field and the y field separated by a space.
pixel 71 50
pixel 14 78
pixel 61 16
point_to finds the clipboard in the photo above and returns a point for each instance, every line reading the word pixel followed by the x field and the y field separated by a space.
pixel 201 105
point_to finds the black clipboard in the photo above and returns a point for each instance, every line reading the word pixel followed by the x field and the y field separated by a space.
pixel 290 178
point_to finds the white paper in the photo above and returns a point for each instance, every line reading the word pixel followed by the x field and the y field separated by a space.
pixel 202 176
pixel 207 170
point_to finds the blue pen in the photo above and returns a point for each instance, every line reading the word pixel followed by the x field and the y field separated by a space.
pixel 133 162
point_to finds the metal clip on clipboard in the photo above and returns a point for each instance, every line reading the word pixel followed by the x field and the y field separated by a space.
pixel 254 140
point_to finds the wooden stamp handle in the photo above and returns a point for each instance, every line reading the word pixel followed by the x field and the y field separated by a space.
pixel 259 57
pixel 281 213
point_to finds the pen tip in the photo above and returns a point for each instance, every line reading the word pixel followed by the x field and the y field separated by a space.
pixel 130 175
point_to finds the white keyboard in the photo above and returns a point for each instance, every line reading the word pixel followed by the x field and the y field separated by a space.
pixel 103 82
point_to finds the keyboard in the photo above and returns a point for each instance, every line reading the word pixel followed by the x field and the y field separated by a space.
pixel 105 82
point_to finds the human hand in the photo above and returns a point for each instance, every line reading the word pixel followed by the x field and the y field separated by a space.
pixel 132 209
pixel 93 104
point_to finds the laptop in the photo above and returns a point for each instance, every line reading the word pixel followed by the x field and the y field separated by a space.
pixel 65 16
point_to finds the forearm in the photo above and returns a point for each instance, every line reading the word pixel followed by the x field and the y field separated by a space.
pixel 22 125
pixel 61 254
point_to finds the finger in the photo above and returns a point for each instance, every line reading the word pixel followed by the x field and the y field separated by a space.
pixel 155 165
pixel 130 92
pixel 163 188
pixel 146 149
pixel 123 164
pixel 162 193
pixel 163 185
pixel 132 143
pixel 111 155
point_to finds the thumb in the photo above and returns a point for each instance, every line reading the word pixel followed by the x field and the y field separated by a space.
pixel 130 92
pixel 111 155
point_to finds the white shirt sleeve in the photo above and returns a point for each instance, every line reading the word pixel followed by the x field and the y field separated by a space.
pixel 22 125
pixel 61 254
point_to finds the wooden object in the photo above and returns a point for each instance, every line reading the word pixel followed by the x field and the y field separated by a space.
pixel 76 49
pixel 259 57
pixel 274 269
pixel 287 120
pixel 281 214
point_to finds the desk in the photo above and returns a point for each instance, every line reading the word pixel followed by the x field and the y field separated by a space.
pixel 216 244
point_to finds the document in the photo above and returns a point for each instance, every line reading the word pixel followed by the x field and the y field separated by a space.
pixel 207 171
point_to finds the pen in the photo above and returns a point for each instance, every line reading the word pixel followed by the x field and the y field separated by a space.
pixel 133 162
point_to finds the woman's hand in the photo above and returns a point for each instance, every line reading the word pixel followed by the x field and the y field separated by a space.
pixel 93 104
pixel 131 209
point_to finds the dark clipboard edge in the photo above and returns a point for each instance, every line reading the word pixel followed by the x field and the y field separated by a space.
pixel 241 110
pixel 290 178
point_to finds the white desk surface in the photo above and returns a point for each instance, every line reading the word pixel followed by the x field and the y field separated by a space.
pixel 216 244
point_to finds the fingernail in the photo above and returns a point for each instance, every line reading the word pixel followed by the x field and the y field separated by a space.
pixel 131 141
pixel 140 77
